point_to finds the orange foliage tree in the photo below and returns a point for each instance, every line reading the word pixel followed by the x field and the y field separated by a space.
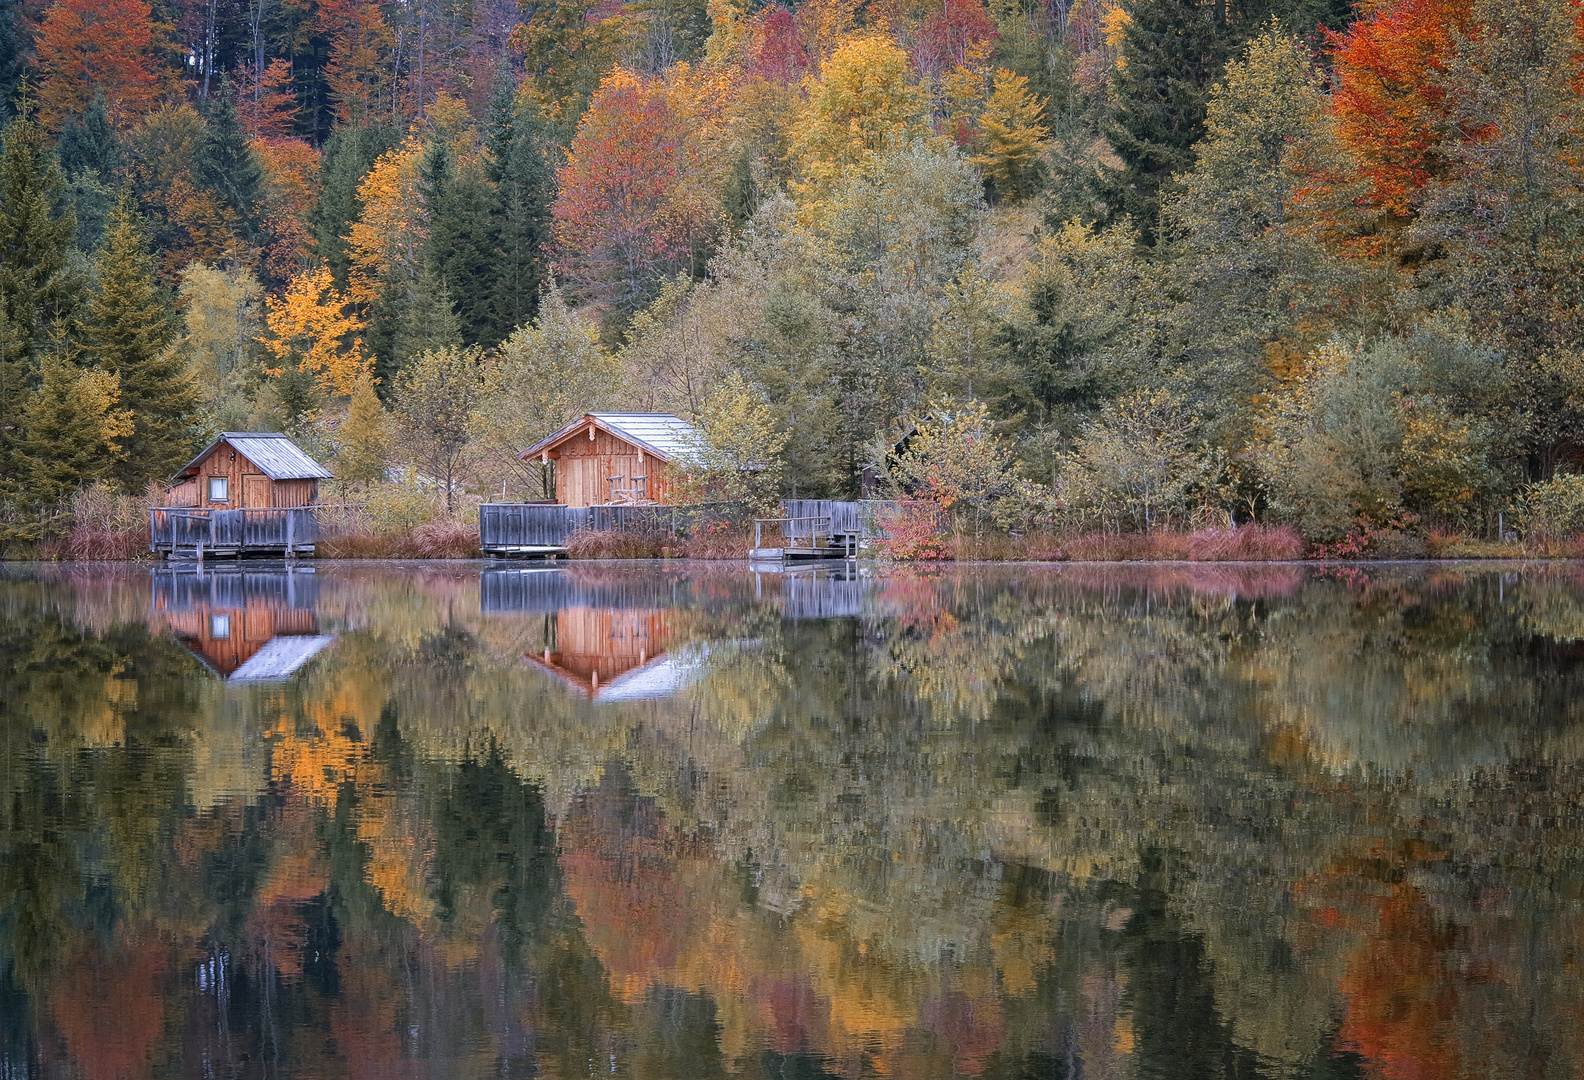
pixel 89 45
pixel 358 71
pixel 291 184
pixel 634 201
pixel 1390 100
pixel 311 328
pixel 267 106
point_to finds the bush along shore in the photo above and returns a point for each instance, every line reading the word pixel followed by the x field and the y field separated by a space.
pixel 100 525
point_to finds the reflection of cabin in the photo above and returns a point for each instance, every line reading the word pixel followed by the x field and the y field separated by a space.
pixel 604 459
pixel 249 492
pixel 595 650
pixel 246 627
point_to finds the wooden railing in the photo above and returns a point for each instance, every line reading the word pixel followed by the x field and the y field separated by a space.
pixel 263 528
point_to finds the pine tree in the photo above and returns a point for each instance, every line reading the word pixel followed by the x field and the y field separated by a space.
pixel 1172 52
pixel 129 330
pixel 37 285
pixel 364 437
pixel 227 166
pixel 524 190
pixel 89 142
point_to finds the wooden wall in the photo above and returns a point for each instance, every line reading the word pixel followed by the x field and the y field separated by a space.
pixel 226 462
pixel 582 465
pixel 595 646
pixel 250 629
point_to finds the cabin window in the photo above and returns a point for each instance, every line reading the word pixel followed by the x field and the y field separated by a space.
pixel 219 626
pixel 217 489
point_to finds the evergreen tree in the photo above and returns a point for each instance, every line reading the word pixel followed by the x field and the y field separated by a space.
pixel 72 430
pixel 37 285
pixel 348 156
pixel 524 190
pixel 129 330
pixel 1172 52
pixel 89 142
pixel 459 253
pixel 227 166
pixel 13 55
pixel 428 322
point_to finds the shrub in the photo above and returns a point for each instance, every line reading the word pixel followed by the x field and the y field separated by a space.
pixel 914 532
pixel 402 505
pixel 1552 509
pixel 616 544
pixel 1246 543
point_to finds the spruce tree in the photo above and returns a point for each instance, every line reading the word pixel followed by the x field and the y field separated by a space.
pixel 129 329
pixel 460 253
pixel 89 142
pixel 1172 52
pixel 227 166
pixel 37 284
pixel 428 322
pixel 524 190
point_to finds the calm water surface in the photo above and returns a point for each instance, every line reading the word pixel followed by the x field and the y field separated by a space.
pixel 443 820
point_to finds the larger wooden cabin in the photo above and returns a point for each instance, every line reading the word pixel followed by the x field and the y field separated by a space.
pixel 248 469
pixel 616 459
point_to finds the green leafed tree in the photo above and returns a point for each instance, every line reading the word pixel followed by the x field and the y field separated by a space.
pixel 363 440
pixel 544 375
pixel 737 455
pixel 433 401
pixel 524 189
pixel 130 331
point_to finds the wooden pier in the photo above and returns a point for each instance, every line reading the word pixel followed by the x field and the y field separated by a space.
pixel 265 531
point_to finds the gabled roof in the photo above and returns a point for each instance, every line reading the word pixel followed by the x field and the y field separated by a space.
pixel 276 456
pixel 665 436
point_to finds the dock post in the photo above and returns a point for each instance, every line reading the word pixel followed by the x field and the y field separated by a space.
pixel 290 517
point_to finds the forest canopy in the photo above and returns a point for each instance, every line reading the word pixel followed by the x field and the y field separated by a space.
pixel 1155 264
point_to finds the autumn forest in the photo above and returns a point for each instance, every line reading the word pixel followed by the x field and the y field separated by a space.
pixel 1156 264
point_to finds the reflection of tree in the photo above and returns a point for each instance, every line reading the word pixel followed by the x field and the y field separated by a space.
pixel 1000 825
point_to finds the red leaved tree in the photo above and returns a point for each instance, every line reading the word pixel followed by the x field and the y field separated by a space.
pixel 959 31
pixel 1390 99
pixel 359 69
pixel 267 106
pixel 634 202
pixel 775 49
pixel 90 45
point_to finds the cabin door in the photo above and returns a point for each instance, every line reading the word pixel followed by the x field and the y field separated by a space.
pixel 255 491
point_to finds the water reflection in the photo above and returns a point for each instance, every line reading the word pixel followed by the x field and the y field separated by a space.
pixel 247 625
pixel 1068 822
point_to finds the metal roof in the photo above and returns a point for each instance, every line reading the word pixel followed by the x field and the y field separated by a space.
pixel 280 658
pixel 665 436
pixel 276 456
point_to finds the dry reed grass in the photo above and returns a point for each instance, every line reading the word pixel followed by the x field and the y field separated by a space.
pixel 352 538
pixel 616 544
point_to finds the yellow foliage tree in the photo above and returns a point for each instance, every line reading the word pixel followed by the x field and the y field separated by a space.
pixel 865 96
pixel 1013 133
pixel 311 329
pixel 386 240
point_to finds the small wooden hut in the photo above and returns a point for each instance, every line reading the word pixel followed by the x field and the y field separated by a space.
pixel 248 469
pixel 616 459
pixel 247 493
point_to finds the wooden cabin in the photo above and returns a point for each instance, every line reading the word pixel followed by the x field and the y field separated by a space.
pixel 248 493
pixel 248 469
pixel 616 459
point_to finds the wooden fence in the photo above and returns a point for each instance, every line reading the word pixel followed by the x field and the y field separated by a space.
pixel 261 530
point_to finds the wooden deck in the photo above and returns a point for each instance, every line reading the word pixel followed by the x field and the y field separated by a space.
pixel 268 531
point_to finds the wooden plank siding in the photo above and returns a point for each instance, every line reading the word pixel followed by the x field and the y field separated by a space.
pixel 244 484
pixel 583 466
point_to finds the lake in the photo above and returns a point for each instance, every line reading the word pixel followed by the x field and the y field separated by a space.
pixel 689 821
